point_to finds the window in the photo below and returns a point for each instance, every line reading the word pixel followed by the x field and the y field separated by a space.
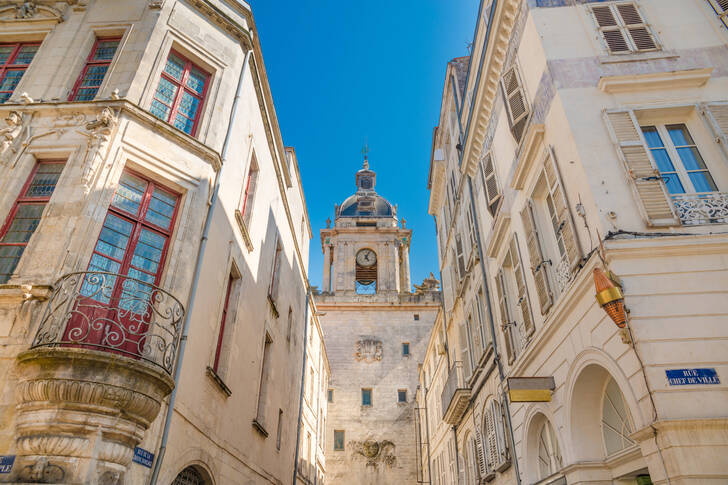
pixel 275 270
pixel 490 183
pixel 515 102
pixel 496 448
pixel 180 93
pixel 279 429
pixel 721 8
pixel 616 421
pixel 416 316
pixel 460 253
pixel 330 395
pixel 263 386
pixel 405 349
pixel 402 395
pixel 463 339
pixel 92 75
pixel 189 476
pixel 623 29
pixel 338 440
pixel 290 324
pixel 311 386
pixel 224 322
pixel 366 397
pixel 677 157
pixel 249 194
pixel 549 456
pixel 471 459
pixel 14 60
pixel 25 214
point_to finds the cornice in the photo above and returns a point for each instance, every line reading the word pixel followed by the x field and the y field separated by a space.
pixel 691 78
pixel 529 153
pixel 223 20
pixel 660 245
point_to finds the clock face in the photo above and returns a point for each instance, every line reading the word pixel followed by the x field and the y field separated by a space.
pixel 366 257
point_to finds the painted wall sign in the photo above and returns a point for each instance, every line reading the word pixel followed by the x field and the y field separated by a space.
pixel 688 377
pixel 143 457
pixel 6 463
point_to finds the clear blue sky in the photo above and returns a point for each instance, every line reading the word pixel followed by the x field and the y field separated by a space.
pixel 342 71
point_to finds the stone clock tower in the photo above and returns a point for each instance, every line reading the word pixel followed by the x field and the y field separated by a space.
pixel 375 331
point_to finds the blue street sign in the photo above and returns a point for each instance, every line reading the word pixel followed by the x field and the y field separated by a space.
pixel 688 377
pixel 6 463
pixel 143 457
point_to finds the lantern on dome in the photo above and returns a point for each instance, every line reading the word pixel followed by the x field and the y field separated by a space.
pixel 610 298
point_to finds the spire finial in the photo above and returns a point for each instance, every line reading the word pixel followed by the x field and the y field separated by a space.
pixel 365 152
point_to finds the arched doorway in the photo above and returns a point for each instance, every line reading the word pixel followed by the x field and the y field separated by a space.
pixel 192 475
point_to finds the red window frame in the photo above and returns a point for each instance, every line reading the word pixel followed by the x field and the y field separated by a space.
pixel 23 199
pixel 223 320
pixel 139 223
pixel 9 66
pixel 182 88
pixel 90 62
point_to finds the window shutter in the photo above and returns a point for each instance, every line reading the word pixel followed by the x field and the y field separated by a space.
pixel 471 227
pixel 500 419
pixel 460 255
pixel 610 30
pixel 516 101
pixel 480 453
pixel 465 350
pixel 655 203
pixel 636 27
pixel 538 268
pixel 563 213
pixel 523 302
pixel 721 8
pixel 505 317
pixel 491 438
pixel 717 115
pixel 490 183
pixel 477 349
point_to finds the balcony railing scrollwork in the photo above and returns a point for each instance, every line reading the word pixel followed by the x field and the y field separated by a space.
pixel 113 313
pixel 702 208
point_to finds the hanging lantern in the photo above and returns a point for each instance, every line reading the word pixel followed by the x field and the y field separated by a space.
pixel 610 298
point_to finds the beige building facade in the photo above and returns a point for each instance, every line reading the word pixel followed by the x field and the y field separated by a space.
pixel 153 250
pixel 582 136
pixel 375 329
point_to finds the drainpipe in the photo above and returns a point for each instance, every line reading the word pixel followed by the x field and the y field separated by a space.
pixel 427 432
pixel 494 340
pixel 442 305
pixel 303 382
pixel 196 277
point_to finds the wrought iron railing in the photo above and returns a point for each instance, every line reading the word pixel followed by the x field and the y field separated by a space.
pixel 702 208
pixel 455 381
pixel 113 313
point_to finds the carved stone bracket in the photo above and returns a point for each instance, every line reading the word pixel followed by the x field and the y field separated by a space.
pixel 16 131
pixel 98 133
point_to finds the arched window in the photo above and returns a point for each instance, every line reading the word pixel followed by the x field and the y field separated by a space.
pixel 616 421
pixel 549 455
pixel 366 272
pixel 190 476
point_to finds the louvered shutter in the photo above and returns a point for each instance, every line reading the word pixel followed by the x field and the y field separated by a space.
pixel 655 203
pixel 505 316
pixel 523 303
pixel 460 255
pixel 572 250
pixel 610 30
pixel 717 115
pixel 490 183
pixel 471 227
pixel 721 8
pixel 538 268
pixel 516 101
pixel 500 419
pixel 636 27
pixel 480 453
pixel 465 350
pixel 491 435
pixel 477 350
pixel 623 28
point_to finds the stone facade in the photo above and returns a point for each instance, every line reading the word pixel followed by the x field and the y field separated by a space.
pixel 92 314
pixel 375 331
pixel 567 119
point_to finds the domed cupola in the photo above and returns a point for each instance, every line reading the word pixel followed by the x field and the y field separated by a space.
pixel 366 202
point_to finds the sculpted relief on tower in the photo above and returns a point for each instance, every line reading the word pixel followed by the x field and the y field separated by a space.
pixel 369 350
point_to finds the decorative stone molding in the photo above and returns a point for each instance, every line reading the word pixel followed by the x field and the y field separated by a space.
pixel 375 452
pixel 12 136
pixel 98 133
pixel 692 78
pixel 81 412
pixel 369 350
pixel 30 11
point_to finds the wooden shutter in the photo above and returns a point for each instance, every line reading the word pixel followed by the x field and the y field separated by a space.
pixel 471 227
pixel 500 419
pixel 491 437
pixel 563 212
pixel 721 8
pixel 623 28
pixel 608 26
pixel 490 184
pixel 523 303
pixel 480 452
pixel 535 253
pixel 505 316
pixel 516 102
pixel 460 255
pixel 717 115
pixel 636 27
pixel 465 350
pixel 649 188
pixel 478 346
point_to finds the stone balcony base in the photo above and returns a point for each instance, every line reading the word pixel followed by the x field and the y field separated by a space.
pixel 80 413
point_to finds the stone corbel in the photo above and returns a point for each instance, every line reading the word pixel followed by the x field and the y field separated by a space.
pixel 98 132
pixel 17 130
pixel 16 294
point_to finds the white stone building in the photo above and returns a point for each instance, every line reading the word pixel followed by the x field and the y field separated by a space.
pixel 137 136
pixel 376 330
pixel 585 135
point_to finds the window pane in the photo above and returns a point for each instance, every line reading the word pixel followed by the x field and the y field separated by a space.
pixel 9 257
pixel 11 79
pixel 159 110
pixel 662 159
pixel 338 440
pixel 366 397
pixel 105 50
pixel 45 180
pixel 5 51
pixel 702 181
pixel 166 91
pixel 175 67
pixel 128 196
pixel 4 97
pixel 672 181
pixel 100 288
pixel 188 105
pixel 148 251
pixel 85 94
pixel 196 80
pixel 680 135
pixel 114 237
pixel 135 294
pixel 652 137
pixel 691 158
pixel 94 76
pixel 26 54
pixel 184 124
pixel 24 223
pixel 161 209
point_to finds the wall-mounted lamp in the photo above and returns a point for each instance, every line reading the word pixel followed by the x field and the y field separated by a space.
pixel 610 298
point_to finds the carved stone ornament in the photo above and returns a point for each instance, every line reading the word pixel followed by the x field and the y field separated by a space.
pixel 37 11
pixel 375 452
pixel 25 10
pixel 369 350
pixel 12 136
pixel 98 133
pixel 430 284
